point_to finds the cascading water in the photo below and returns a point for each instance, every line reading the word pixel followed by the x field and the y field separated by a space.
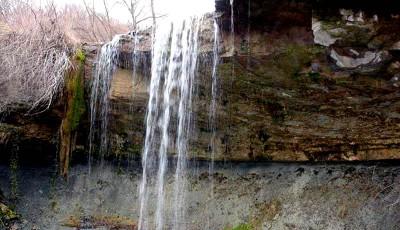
pixel 174 63
pixel 175 54
pixel 189 63
pixel 169 120
pixel 99 98
pixel 212 115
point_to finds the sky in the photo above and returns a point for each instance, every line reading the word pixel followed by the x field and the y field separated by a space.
pixel 117 11
pixel 175 8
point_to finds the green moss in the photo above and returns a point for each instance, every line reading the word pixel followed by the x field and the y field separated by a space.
pixel 241 227
pixel 356 35
pixel 293 58
pixel 280 69
pixel 332 23
pixel 78 103
pixel 75 89
pixel 6 213
pixel 80 56
pixel 75 108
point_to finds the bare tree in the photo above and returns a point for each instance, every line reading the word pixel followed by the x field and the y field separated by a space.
pixel 91 14
pixel 140 12
pixel 103 27
pixel 137 12
pixel 79 27
pixel 108 18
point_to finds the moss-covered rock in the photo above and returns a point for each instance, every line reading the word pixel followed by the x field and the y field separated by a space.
pixel 241 227
pixel 74 109
pixel 7 216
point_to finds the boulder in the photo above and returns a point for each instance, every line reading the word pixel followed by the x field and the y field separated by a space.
pixel 322 36
pixel 369 61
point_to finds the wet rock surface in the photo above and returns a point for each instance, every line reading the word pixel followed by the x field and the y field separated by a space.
pixel 261 195
pixel 303 82
pixel 288 92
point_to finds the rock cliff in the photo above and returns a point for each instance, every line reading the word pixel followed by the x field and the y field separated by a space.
pixel 298 86
pixel 303 82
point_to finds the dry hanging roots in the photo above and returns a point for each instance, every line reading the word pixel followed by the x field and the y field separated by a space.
pixel 33 62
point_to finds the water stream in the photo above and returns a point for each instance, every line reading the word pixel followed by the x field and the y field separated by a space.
pixel 169 120
pixel 99 98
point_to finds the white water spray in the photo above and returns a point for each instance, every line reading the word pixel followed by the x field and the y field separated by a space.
pixel 174 64
pixel 169 119
pixel 99 98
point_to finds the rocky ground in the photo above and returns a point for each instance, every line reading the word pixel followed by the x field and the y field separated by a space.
pixel 251 195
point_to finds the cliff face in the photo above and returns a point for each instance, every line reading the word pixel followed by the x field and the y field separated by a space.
pixel 33 137
pixel 300 86
pixel 303 82
pixel 253 196
pixel 320 86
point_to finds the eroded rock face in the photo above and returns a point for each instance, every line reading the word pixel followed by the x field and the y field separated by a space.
pixel 276 196
pixel 324 91
pixel 299 87
pixel 129 96
pixel 32 138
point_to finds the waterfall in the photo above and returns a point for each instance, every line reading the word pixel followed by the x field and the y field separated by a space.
pixel 169 121
pixel 99 98
pixel 174 64
pixel 189 64
pixel 212 115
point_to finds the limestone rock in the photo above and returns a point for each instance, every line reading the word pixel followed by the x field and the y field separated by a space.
pixel 352 30
pixel 396 46
pixel 322 36
pixel 369 59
